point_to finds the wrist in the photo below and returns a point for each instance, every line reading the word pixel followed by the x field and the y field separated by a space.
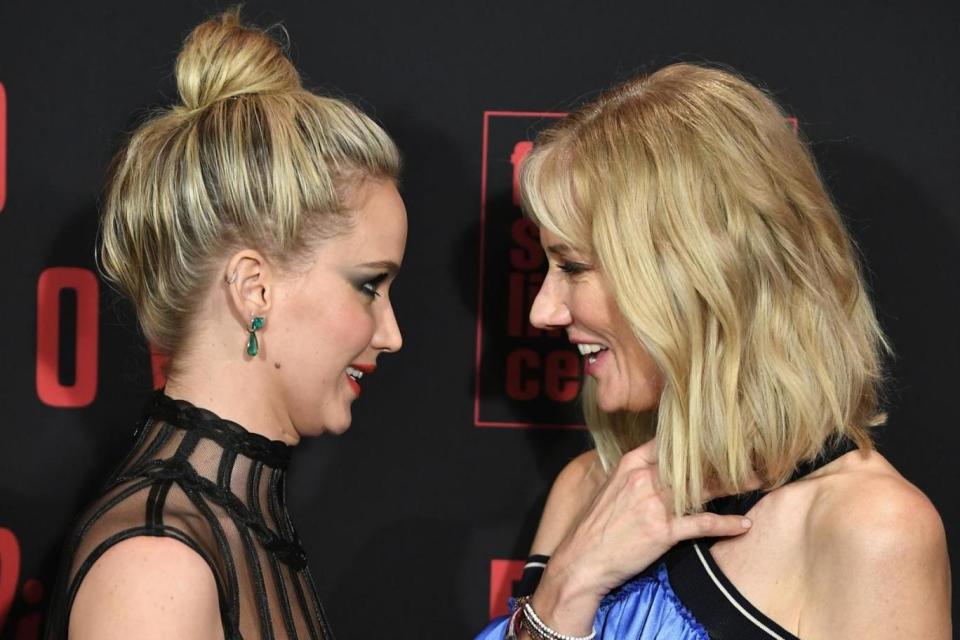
pixel 566 601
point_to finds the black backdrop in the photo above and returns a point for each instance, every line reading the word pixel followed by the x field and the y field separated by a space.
pixel 409 517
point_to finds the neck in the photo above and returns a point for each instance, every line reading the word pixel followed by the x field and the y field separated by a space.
pixel 234 389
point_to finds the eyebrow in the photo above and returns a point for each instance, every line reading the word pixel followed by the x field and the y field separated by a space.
pixel 385 265
pixel 559 249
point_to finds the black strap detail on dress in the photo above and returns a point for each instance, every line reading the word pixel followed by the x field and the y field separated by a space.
pixel 703 588
pixel 229 434
pixel 195 484
pixel 218 488
pixel 701 595
pixel 741 503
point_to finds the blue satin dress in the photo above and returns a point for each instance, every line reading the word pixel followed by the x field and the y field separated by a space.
pixel 645 608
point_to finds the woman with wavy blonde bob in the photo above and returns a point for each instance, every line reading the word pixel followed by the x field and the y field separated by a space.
pixel 731 350
pixel 256 227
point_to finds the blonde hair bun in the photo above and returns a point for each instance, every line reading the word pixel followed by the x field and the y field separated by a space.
pixel 250 159
pixel 222 59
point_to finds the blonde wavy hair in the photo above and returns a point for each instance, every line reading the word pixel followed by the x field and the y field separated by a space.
pixel 250 158
pixel 693 195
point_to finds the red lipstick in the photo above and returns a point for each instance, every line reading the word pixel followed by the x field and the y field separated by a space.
pixel 365 369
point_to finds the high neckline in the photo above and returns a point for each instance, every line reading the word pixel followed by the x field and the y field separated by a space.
pixel 230 435
pixel 741 503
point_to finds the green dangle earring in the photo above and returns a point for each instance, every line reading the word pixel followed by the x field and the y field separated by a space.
pixel 253 346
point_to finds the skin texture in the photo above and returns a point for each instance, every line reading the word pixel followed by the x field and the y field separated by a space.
pixel 577 298
pixel 851 551
pixel 148 588
pixel 320 319
pixel 332 313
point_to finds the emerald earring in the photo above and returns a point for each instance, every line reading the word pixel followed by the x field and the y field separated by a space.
pixel 253 346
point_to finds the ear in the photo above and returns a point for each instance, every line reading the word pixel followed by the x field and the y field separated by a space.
pixel 249 279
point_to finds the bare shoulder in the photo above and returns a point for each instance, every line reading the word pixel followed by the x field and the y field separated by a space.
pixel 878 561
pixel 868 508
pixel 572 492
pixel 147 587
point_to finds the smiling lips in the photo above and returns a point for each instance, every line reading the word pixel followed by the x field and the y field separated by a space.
pixel 593 354
pixel 355 372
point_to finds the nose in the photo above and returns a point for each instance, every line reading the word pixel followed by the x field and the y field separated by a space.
pixel 387 337
pixel 549 309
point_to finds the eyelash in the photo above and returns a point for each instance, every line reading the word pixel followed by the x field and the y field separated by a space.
pixel 369 287
pixel 573 268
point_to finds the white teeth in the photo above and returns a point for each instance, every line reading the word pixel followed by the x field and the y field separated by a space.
pixel 587 349
pixel 356 374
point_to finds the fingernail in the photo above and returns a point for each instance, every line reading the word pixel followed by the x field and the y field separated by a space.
pixel 745 523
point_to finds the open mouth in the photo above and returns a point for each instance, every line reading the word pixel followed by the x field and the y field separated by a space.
pixel 590 351
pixel 355 373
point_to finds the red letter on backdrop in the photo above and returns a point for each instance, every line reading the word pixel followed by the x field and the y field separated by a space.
pixel 518 386
pixel 9 572
pixel 84 389
pixel 3 146
pixel 503 573
pixel 520 152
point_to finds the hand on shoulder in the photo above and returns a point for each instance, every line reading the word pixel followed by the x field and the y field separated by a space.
pixel 879 566
pixel 147 587
pixel 600 535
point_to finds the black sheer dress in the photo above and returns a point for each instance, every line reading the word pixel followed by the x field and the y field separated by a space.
pixel 218 489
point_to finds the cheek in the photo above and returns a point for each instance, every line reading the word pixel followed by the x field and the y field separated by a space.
pixel 342 337
pixel 589 310
pixel 323 338
pixel 646 382
pixel 355 329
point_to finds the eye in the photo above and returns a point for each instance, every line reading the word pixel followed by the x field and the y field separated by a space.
pixel 573 268
pixel 371 287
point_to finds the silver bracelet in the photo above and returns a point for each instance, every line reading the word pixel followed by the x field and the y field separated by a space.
pixel 540 627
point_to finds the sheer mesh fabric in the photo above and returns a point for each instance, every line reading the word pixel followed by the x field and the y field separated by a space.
pixel 218 489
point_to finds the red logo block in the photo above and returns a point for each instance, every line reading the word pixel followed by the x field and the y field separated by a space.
pixel 503 573
pixel 49 287
pixel 525 377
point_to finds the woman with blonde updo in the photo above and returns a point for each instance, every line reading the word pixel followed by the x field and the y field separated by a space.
pixel 256 228
pixel 698 263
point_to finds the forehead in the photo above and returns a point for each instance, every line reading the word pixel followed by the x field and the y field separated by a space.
pixel 379 229
pixel 553 244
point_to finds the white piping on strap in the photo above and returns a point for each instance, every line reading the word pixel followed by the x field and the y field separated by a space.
pixel 733 601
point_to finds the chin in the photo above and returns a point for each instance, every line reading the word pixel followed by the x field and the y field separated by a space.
pixel 324 425
pixel 338 426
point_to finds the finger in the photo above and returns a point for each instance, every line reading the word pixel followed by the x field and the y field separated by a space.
pixel 709 525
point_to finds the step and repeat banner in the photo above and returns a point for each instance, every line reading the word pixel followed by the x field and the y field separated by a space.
pixel 420 515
